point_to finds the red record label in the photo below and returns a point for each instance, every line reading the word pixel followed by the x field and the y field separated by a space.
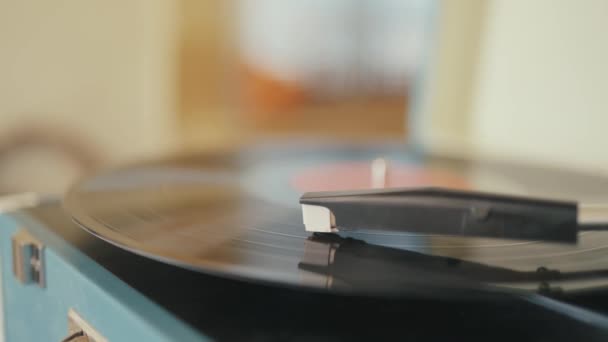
pixel 358 175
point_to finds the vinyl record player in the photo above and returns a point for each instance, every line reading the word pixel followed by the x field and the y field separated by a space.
pixel 193 248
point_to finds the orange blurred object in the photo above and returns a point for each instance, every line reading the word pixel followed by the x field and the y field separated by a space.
pixel 266 97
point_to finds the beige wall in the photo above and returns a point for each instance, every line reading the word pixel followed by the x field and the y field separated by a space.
pixel 441 115
pixel 542 91
pixel 534 87
pixel 103 69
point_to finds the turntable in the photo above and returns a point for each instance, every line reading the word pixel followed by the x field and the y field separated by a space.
pixel 203 247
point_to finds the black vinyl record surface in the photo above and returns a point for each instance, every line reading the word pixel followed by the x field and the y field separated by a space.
pixel 238 216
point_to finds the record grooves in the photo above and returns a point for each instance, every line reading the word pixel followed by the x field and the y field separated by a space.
pixel 239 218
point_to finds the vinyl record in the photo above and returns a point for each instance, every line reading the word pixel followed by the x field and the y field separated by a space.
pixel 238 216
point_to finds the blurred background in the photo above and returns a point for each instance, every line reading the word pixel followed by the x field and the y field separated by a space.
pixel 90 84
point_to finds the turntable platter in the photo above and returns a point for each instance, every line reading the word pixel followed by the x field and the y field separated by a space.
pixel 239 217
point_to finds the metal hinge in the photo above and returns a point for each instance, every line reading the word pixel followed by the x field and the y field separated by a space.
pixel 28 258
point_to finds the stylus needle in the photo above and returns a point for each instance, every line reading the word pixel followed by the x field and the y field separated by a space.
pixel 450 212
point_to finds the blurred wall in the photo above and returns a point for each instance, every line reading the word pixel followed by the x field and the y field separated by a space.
pixel 100 70
pixel 542 86
pixel 440 117
pixel 517 79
